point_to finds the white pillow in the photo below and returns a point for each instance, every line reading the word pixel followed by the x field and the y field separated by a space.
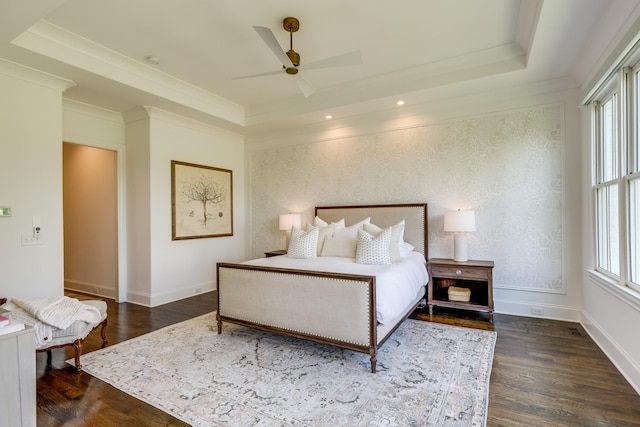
pixel 350 232
pixel 303 244
pixel 405 249
pixel 320 222
pixel 373 249
pixel 323 233
pixel 339 247
pixel 397 237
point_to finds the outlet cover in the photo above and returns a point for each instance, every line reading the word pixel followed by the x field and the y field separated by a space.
pixel 537 311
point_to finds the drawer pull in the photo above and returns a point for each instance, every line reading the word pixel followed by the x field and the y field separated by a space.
pixel 458 272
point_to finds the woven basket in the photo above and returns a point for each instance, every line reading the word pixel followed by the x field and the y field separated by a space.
pixel 459 294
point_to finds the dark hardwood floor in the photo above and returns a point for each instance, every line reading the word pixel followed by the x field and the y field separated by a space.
pixel 545 373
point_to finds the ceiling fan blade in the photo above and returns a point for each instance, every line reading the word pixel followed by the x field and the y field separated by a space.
pixel 349 58
pixel 306 87
pixel 269 73
pixel 270 40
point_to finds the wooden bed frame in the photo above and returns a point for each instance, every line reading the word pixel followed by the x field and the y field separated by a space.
pixel 327 308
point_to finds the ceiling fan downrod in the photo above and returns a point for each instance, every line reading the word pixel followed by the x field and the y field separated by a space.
pixel 292 25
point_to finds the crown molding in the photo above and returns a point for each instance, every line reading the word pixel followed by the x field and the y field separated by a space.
pixel 528 17
pixel 55 42
pixel 154 113
pixel 488 62
pixel 91 110
pixel 441 105
pixel 32 75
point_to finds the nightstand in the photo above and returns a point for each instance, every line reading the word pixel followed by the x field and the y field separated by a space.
pixel 275 253
pixel 477 276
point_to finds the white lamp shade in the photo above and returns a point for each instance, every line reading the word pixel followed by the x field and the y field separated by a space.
pixel 460 221
pixel 288 221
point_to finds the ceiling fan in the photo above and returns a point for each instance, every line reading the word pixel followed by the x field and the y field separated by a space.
pixel 291 59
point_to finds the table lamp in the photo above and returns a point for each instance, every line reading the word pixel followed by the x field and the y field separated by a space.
pixel 286 223
pixel 460 222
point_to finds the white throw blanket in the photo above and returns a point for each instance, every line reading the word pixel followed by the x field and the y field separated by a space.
pixel 59 312
pixel 43 331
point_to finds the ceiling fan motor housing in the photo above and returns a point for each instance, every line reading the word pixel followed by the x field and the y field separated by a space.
pixel 294 57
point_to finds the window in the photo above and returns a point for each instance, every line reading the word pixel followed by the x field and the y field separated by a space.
pixel 616 147
pixel 607 202
pixel 633 184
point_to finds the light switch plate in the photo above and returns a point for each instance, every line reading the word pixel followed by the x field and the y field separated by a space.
pixel 5 211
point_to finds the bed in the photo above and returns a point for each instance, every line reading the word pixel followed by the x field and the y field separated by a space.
pixel 313 302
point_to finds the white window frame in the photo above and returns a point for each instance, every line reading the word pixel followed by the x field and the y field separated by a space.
pixel 632 174
pixel 623 85
pixel 604 251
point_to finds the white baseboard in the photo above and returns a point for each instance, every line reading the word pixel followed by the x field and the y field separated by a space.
pixel 139 298
pixel 90 288
pixel 628 367
pixel 543 311
pixel 158 299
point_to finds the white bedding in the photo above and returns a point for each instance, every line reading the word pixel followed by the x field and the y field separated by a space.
pixel 397 284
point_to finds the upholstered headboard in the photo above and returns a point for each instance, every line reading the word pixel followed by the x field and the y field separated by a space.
pixel 414 215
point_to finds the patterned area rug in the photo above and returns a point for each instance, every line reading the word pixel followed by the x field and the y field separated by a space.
pixel 428 374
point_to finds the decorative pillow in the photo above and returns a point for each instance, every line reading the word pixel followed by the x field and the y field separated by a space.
pixel 405 249
pixel 397 237
pixel 350 232
pixel 339 247
pixel 373 249
pixel 323 233
pixel 303 244
pixel 320 222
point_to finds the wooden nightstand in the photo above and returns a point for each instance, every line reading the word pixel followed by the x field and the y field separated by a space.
pixel 275 253
pixel 476 276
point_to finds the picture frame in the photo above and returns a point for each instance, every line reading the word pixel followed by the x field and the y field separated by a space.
pixel 201 201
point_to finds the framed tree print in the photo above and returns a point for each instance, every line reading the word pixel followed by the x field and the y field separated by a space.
pixel 201 201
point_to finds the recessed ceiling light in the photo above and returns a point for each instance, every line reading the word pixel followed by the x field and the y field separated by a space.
pixel 400 102
pixel 328 116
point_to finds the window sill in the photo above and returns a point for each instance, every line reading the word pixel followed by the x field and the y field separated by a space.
pixel 623 293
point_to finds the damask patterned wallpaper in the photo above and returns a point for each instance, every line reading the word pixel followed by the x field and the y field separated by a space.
pixel 506 166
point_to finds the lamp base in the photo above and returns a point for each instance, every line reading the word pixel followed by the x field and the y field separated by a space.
pixel 460 247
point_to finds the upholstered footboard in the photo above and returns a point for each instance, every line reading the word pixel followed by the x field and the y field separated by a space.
pixel 328 308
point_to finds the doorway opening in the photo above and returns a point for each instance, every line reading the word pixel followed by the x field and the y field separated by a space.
pixel 90 211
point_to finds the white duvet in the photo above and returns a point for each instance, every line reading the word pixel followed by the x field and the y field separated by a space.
pixel 397 285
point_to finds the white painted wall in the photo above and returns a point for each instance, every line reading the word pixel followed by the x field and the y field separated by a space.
pixel 138 209
pixel 180 268
pixel 30 181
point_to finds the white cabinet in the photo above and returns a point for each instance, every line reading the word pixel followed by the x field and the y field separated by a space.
pixel 18 378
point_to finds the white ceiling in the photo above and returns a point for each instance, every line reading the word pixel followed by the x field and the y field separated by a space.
pixel 408 47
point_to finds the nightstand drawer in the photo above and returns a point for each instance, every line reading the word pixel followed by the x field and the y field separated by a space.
pixel 454 272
